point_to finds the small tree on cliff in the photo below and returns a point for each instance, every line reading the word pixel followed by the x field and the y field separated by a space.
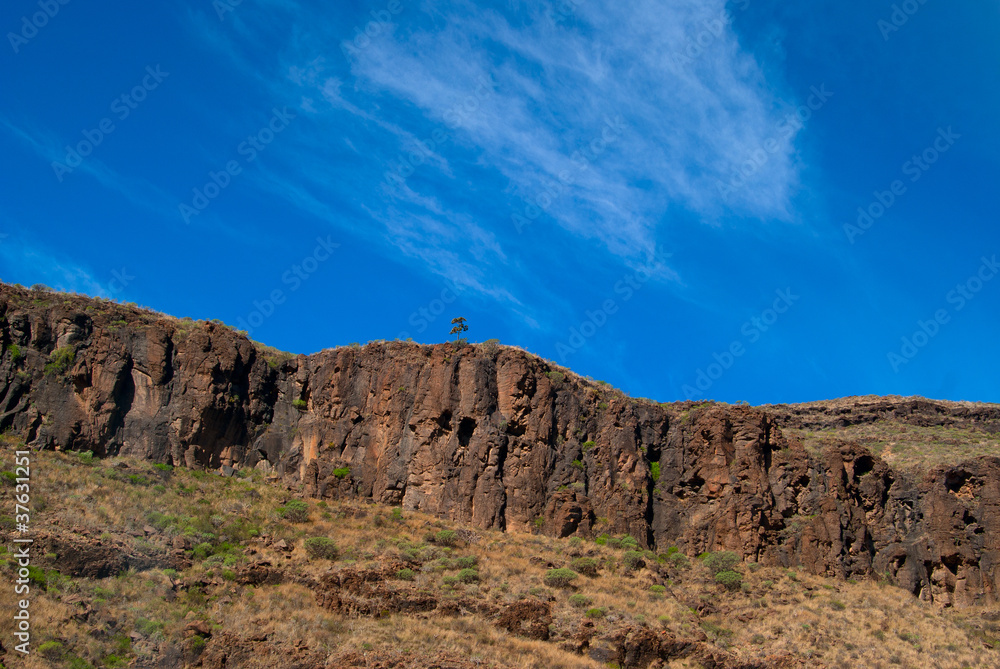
pixel 458 327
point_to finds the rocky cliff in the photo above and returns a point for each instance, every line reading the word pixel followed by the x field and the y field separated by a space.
pixel 493 436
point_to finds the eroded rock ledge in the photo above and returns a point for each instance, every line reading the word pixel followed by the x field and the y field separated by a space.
pixel 493 436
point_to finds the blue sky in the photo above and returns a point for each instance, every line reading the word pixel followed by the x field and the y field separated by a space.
pixel 662 195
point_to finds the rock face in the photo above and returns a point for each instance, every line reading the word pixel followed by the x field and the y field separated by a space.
pixel 494 437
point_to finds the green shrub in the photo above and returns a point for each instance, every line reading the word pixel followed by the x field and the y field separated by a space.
pixel 555 377
pixel 580 601
pixel 601 540
pixel 86 456
pixel 51 650
pixel 406 574
pixel 15 355
pixel 468 576
pixel 657 589
pixel 77 662
pixel 560 578
pixel 163 467
pixel 654 470
pixel 446 538
pixel 295 511
pixel 680 560
pixel 578 464
pixel 587 445
pixel 60 360
pixel 629 542
pixel 321 547
pixel 148 627
pixel 299 404
pixel 730 579
pixel 586 566
pixel 342 472
pixel 465 562
pixel 720 561
pixel 633 560
pixel 202 551
pixel 596 613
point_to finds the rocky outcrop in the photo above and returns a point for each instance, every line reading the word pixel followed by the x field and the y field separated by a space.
pixel 849 411
pixel 492 437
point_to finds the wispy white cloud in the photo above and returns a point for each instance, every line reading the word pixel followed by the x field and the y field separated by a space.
pixel 19 259
pixel 596 116
pixel 136 190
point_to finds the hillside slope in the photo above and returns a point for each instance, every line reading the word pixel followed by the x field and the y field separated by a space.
pixel 495 437
pixel 156 567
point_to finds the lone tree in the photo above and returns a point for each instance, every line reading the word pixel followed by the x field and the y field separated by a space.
pixel 458 328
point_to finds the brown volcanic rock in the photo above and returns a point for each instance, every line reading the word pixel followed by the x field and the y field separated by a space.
pixel 486 438
pixel 368 592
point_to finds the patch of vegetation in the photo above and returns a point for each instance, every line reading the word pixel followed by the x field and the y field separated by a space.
pixel 296 511
pixel 580 601
pixel 560 578
pixel 300 404
pixel 654 470
pixel 730 579
pixel 51 650
pixel 446 538
pixel 342 472
pixel 16 354
pixel 586 566
pixel 720 561
pixel 633 560
pixel 60 360
pixel 587 445
pixel 321 547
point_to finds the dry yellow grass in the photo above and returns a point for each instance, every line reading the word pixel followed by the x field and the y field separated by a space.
pixel 136 616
